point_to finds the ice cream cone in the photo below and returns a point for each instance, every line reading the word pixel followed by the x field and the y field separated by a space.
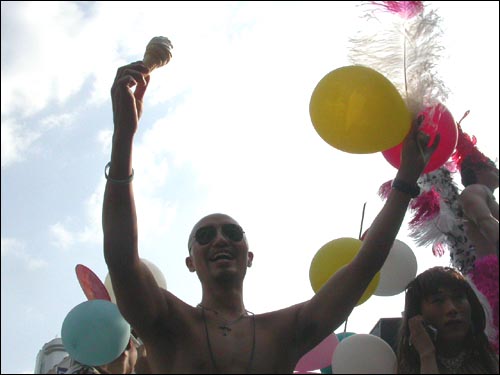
pixel 157 53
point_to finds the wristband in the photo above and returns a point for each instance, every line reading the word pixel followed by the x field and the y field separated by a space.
pixel 412 190
pixel 119 182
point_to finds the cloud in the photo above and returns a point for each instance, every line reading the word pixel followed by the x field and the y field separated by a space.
pixel 156 210
pixel 15 248
pixel 57 121
pixel 104 139
pixel 34 38
pixel 72 43
pixel 62 237
pixel 20 135
pixel 15 141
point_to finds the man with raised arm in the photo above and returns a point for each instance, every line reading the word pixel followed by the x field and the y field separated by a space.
pixel 220 335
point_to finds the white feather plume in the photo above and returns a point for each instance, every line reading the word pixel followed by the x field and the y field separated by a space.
pixel 405 50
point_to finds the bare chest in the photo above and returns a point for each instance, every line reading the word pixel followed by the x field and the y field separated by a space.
pixel 210 346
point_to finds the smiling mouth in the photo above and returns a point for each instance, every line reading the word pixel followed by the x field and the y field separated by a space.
pixel 222 256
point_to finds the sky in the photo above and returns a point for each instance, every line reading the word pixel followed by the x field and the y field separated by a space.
pixel 226 128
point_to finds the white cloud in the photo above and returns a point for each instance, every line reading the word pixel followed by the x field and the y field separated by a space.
pixel 11 246
pixel 19 136
pixel 57 121
pixel 15 248
pixel 15 141
pixel 104 139
pixel 47 35
pixel 156 211
pixel 65 238
pixel 92 233
pixel 62 237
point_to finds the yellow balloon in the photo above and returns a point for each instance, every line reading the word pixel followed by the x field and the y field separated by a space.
pixel 333 256
pixel 357 110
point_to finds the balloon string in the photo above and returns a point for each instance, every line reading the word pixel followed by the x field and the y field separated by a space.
pixel 362 219
pixel 360 231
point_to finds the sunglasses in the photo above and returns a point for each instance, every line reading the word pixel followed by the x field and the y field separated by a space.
pixel 232 232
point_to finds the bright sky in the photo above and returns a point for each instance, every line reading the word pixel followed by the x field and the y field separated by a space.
pixel 226 128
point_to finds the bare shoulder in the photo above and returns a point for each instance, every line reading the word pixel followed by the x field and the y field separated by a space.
pixel 281 318
pixel 476 188
pixel 475 191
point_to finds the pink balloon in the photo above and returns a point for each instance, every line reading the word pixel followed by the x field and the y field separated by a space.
pixel 318 357
pixel 92 286
pixel 438 120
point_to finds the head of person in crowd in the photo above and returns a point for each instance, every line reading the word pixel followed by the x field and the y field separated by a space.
pixel 444 320
pixel 474 166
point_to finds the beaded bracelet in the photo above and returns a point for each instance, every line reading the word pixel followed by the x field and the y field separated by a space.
pixel 120 182
pixel 404 187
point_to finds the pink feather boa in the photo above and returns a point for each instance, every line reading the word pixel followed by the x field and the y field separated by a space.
pixel 485 277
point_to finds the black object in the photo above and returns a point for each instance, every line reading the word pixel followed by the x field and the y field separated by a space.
pixel 388 330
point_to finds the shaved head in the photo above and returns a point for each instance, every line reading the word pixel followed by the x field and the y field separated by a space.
pixel 208 219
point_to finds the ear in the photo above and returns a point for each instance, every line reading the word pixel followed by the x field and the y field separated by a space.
pixel 249 259
pixel 189 264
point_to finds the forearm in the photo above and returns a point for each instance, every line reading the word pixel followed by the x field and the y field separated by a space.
pixel 119 214
pixel 384 229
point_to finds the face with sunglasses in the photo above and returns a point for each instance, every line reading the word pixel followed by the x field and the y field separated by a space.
pixel 218 243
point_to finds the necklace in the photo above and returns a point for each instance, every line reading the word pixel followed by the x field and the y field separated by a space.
pixel 225 330
pixel 453 364
pixel 226 325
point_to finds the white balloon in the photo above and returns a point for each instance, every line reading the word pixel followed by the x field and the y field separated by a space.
pixel 157 274
pixel 399 269
pixel 363 354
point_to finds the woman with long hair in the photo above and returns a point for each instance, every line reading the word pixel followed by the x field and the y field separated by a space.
pixel 443 327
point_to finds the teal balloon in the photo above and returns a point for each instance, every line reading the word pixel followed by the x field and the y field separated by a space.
pixel 327 370
pixel 94 332
pixel 343 335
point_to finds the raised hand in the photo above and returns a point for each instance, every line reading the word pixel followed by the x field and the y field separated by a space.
pixel 419 337
pixel 416 151
pixel 127 101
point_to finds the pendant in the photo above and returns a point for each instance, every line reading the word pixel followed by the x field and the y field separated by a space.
pixel 225 330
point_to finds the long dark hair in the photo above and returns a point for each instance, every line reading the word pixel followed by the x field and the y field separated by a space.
pixel 428 283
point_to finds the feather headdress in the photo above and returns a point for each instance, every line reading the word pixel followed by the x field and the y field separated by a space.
pixel 401 40
pixel 466 149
